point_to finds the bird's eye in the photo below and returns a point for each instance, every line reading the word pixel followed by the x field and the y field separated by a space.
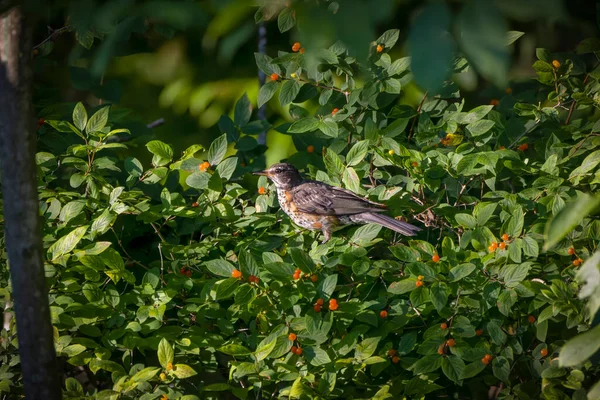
pixel 279 170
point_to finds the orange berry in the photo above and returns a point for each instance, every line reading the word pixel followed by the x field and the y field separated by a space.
pixel 571 251
pixel 317 308
pixel 320 302
pixel 333 306
pixel 395 359
pixel 292 336
pixel 314 278
pixel 505 237
pixel 36 52
pixel 508 90
pixel 544 352
pixel 494 245
pixel 580 260
pixel 299 351
pixel 383 314
pixel 485 360
pixel 204 166
pixel 491 248
pixel 494 102
pixel 261 190
pixel 489 357
pixel 293 350
pixel 164 397
pixel 195 204
pixel 169 366
pixel 556 63
pixel 450 342
pixel 379 48
pixel 441 349
pixel 415 164
pixel 332 301
pixel 576 262
pixel 302 50
pixel 419 283
pixel 335 111
pixel 443 326
pixel 420 277
pixel 435 258
pixel 531 319
pixel 391 352
pixel 502 148
pixel 236 273
pixel 296 46
pixel 502 245
pixel 274 76
pixel 479 332
pixel 523 147
pixel 310 149
pixel 296 276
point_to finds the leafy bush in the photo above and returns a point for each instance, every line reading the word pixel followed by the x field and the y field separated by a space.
pixel 179 278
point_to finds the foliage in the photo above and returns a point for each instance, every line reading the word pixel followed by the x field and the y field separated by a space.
pixel 144 261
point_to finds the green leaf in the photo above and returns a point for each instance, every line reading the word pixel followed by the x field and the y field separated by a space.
pixel 227 167
pixel 145 375
pixel 198 180
pixel 403 286
pixel 501 368
pixel 461 271
pixel 580 348
pixel 453 366
pixel 496 333
pixel 234 350
pixel 480 127
pixel 66 243
pixel 568 218
pixel 405 253
pixel 389 38
pixel 483 39
pixel 327 286
pixel 365 234
pixel 466 220
pixel 134 167
pixel 305 124
pixel 242 111
pixel 316 356
pixel 266 92
pixel 513 274
pixel 329 128
pixel 220 267
pixel 183 371
pixel 265 348
pixel 512 36
pixel 165 353
pixel 163 153
pixel 439 295
pixel 472 369
pixel 286 19
pixel 432 46
pixel 217 150
pixel 366 348
pixel 426 364
pixel 357 153
pixel 289 91
pixel 80 116
pixel 98 121
pixel 302 260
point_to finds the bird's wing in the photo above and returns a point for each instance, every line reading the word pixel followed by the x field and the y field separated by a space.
pixel 322 199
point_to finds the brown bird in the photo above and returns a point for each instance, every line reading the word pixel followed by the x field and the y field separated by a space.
pixel 318 206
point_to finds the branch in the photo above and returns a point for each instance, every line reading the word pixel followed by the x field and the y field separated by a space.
pixel 412 126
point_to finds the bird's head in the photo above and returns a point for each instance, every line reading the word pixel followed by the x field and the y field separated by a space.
pixel 284 175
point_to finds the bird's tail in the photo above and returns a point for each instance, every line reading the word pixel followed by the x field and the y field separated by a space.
pixel 398 226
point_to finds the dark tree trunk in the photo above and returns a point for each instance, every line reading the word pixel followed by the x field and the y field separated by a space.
pixel 21 211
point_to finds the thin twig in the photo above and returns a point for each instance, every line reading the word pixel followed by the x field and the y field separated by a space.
pixel 155 123
pixel 462 190
pixel 412 126
pixel 53 35
pixel 575 101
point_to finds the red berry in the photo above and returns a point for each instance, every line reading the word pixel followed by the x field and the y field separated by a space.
pixel 335 111
pixel 195 204
pixel 479 332
pixel 317 308
pixel 310 149
pixel 505 237
pixel 391 352
pixel 544 352
pixel 292 336
pixel 383 314
pixel 531 319
pixel 435 258
pixel 395 359
pixel 296 46
pixel 314 278
pixel 571 251
pixel 502 245
pixel 450 342
pixel 320 302
pixel 299 351
pixel 294 349
pixel 443 326
pixel 274 76
pixel 419 283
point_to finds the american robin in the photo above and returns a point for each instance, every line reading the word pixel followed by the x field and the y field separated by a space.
pixel 319 206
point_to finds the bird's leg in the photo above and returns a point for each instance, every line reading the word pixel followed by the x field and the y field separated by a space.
pixel 327 235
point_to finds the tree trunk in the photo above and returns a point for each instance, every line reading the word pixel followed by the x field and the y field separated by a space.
pixel 41 376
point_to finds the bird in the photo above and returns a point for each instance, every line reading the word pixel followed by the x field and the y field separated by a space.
pixel 316 205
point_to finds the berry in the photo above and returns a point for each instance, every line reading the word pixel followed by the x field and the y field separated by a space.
pixel 317 308
pixel 333 305
pixel 435 258
pixel 576 262
pixel 379 48
pixel 314 278
pixel 505 237
pixel 195 204
pixel 294 349
pixel 383 314
pixel 253 279
pixel 164 397
pixel 395 359
pixel 163 376
pixel 531 319
pixel 479 332
pixel 320 302
pixel 169 366
pixel 494 245
pixel 419 283
pixel 556 63
pixel 391 152
pixel 485 360
pixel 502 245
pixel 508 90
pixel 335 111
pixel 491 248
pixel 420 277
pixel 523 147
pixel 204 166
pixel 261 190
pixel 236 273
pixel 443 326
pixel 274 76
pixel 415 164
pixel 571 251
pixel 296 276
pixel 502 148
pixel 310 149
pixel 299 351
pixel 296 46
pixel 544 352
pixel 36 52
pixel 41 122
pixel 450 342
pixel 292 336
pixel 186 272
pixel 441 349
pixel 494 102
pixel 391 353
pixel 302 50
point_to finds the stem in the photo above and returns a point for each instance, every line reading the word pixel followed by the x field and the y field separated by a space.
pixel 412 126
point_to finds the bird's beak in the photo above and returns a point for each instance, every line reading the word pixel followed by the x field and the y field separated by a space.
pixel 262 173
